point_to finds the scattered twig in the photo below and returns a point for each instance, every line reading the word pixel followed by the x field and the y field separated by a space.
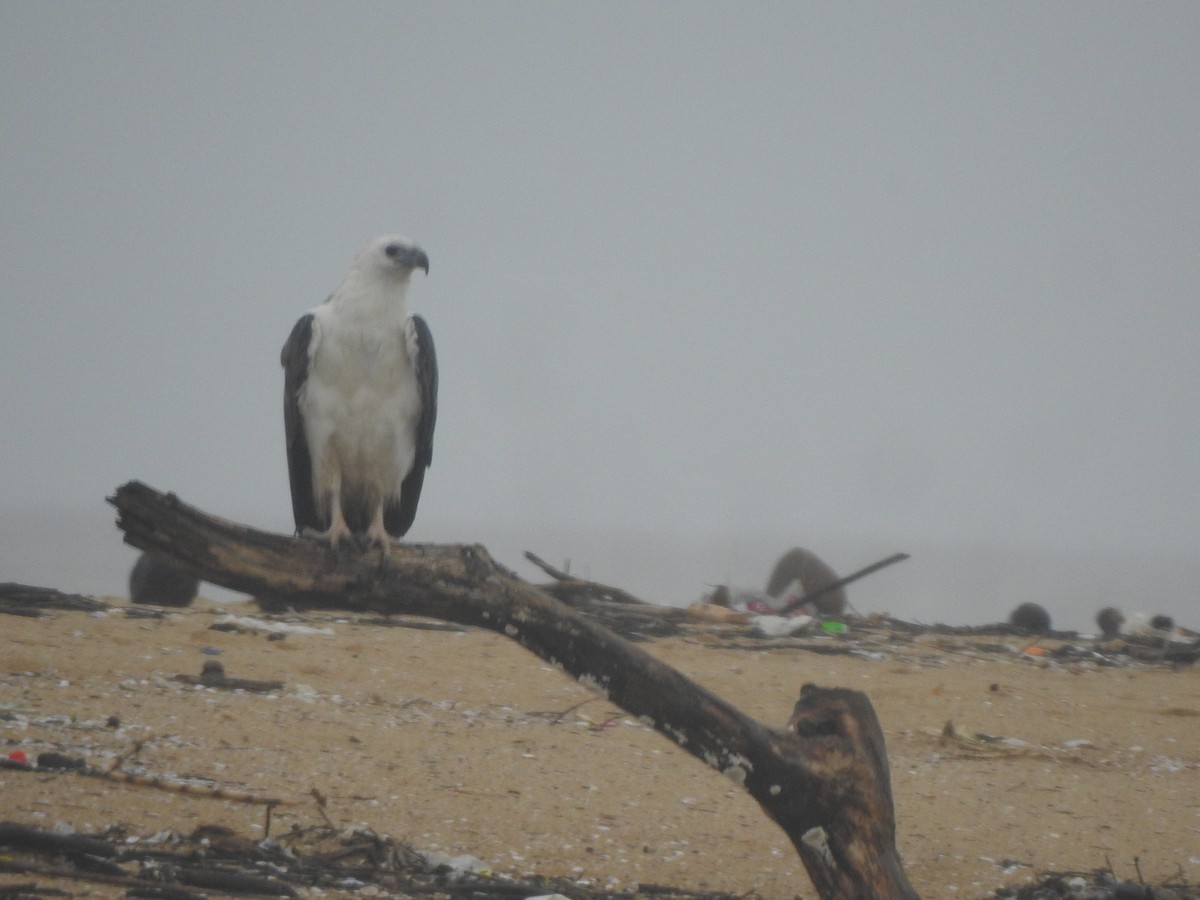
pixel 570 709
pixel 59 763
pixel 322 802
pixel 570 585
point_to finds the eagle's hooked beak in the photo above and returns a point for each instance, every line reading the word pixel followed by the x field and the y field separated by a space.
pixel 417 259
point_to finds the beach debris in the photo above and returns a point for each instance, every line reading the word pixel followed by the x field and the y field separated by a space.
pixel 28 600
pixel 749 602
pixel 305 861
pixel 780 626
pixel 454 866
pixel 52 761
pixel 252 625
pixel 1159 627
pixel 212 675
pixel 1100 884
pixel 815 597
pixel 801 580
pixel 109 858
pixel 981 745
pixel 388 621
pixel 800 584
pixel 716 613
pixel 144 612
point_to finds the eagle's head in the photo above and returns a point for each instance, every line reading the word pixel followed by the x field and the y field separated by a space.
pixel 393 254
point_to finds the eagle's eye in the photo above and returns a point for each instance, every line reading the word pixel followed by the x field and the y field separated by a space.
pixel 393 250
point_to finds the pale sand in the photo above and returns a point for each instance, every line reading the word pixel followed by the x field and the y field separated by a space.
pixel 454 742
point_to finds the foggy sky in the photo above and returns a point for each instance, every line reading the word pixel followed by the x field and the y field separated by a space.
pixel 881 275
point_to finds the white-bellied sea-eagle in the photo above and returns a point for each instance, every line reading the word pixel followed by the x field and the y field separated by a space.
pixel 360 402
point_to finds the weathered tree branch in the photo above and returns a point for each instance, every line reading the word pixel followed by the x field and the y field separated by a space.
pixel 824 779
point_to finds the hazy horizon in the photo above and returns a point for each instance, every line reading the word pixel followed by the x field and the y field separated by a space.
pixel 81 551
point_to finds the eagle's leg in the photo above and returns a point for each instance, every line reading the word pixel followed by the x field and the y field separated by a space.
pixel 338 529
pixel 377 534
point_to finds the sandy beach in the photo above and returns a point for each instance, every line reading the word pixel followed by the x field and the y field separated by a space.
pixel 461 742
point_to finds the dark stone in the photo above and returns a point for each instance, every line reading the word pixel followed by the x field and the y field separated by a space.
pixel 1030 617
pixel 1110 621
pixel 156 582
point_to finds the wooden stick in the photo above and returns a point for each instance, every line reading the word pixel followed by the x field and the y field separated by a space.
pixel 593 590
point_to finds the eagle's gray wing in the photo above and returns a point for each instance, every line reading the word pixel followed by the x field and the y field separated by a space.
pixel 295 358
pixel 398 518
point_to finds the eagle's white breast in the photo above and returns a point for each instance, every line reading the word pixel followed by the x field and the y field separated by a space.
pixel 361 402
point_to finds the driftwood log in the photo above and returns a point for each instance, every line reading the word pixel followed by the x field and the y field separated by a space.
pixel 823 778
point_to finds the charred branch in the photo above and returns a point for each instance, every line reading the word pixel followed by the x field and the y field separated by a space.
pixel 823 779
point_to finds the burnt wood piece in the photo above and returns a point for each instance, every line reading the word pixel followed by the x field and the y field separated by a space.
pixel 29 600
pixel 823 779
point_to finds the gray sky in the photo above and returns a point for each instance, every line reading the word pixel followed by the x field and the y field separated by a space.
pixel 880 275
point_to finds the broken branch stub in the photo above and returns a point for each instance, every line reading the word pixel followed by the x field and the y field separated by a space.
pixel 823 779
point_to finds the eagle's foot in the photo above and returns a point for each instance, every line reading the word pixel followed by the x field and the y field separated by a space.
pixel 336 533
pixel 338 536
pixel 377 536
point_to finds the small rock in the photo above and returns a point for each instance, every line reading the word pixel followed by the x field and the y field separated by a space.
pixel 1030 617
pixel 1110 620
pixel 156 581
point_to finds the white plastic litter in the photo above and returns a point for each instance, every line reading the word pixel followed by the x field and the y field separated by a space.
pixel 459 865
pixel 249 623
pixel 780 626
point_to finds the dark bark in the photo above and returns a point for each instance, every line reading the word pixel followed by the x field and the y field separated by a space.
pixel 823 779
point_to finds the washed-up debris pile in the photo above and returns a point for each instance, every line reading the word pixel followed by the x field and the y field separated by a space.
pixel 882 637
pixel 1101 884
pixel 212 858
